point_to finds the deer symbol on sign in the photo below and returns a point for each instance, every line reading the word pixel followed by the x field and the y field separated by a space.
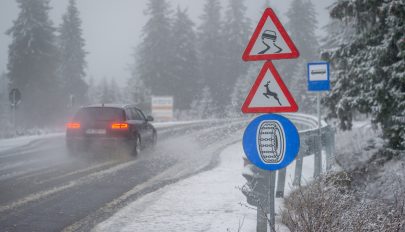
pixel 269 93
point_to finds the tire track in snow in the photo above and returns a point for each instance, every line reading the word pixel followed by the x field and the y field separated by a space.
pixel 70 184
pixel 54 190
pixel 175 173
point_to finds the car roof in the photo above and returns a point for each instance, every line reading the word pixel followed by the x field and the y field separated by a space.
pixel 111 105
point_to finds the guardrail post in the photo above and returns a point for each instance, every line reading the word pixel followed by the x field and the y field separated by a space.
pixel 281 183
pixel 299 161
pixel 318 155
pixel 329 145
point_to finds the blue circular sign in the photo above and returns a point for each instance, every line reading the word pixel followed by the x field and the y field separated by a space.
pixel 271 142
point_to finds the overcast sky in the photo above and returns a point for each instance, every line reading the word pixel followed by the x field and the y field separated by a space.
pixel 112 28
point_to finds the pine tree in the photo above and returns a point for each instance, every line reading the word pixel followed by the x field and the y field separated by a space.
pixel 307 100
pixel 185 63
pixel 236 35
pixel 116 92
pixel 268 4
pixel 203 106
pixel 138 94
pixel 155 53
pixel 3 89
pixel 338 33
pixel 370 68
pixel 93 92
pixel 211 46
pixel 4 107
pixel 301 26
pixel 3 95
pixel 241 90
pixel 33 63
pixel 73 63
pixel 106 92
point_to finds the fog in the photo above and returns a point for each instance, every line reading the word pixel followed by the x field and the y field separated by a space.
pixel 104 102
pixel 112 29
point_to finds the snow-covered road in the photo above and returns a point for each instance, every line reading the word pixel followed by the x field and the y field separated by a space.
pixel 210 201
pixel 181 185
pixel 43 189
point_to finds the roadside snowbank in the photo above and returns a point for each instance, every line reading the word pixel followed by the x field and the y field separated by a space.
pixel 7 144
pixel 11 143
pixel 209 201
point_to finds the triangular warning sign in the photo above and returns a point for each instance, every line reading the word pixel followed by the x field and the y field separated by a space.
pixel 270 41
pixel 269 94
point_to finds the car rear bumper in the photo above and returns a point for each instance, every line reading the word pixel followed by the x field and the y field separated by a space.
pixel 92 143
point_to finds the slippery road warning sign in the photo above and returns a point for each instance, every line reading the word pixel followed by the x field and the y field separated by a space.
pixel 269 94
pixel 270 41
pixel 271 142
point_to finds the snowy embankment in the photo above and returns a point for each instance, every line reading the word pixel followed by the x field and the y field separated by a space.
pixel 161 125
pixel 209 201
pixel 12 143
pixel 8 144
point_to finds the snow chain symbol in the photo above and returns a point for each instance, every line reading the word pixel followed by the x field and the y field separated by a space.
pixel 271 142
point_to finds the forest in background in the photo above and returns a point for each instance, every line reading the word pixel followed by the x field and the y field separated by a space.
pixel 201 66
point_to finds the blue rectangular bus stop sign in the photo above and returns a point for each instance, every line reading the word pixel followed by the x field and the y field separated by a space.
pixel 318 76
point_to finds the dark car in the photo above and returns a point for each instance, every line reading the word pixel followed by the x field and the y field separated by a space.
pixel 120 127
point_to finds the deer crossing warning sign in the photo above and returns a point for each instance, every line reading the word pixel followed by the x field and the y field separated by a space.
pixel 269 94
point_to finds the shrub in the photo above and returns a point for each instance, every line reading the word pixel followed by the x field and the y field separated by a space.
pixel 329 204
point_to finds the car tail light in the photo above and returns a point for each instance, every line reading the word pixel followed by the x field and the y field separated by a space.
pixel 73 125
pixel 119 126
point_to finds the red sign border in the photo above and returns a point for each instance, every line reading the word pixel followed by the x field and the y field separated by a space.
pixel 294 51
pixel 246 106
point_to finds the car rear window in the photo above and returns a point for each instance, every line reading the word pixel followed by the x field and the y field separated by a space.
pixel 100 114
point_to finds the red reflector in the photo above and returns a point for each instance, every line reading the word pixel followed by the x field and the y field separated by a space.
pixel 73 125
pixel 118 126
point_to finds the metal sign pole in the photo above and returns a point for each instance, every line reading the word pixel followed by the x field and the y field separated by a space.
pixel 271 152
pixel 261 225
pixel 281 183
pixel 318 80
pixel 318 151
pixel 271 201
pixel 271 142
pixel 318 106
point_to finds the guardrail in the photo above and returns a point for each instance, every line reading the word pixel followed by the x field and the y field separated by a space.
pixel 261 184
pixel 314 141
